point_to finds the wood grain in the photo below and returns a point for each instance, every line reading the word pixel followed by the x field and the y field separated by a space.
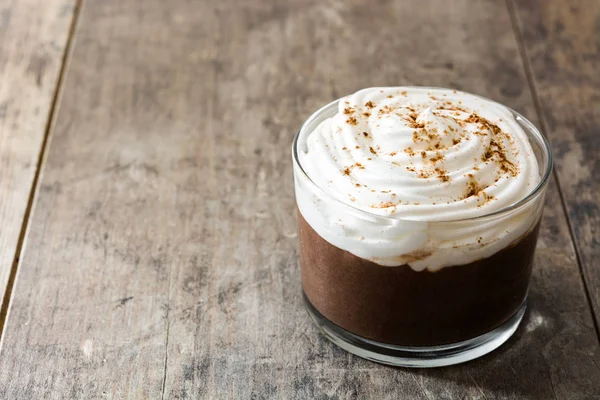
pixel 32 44
pixel 562 45
pixel 162 255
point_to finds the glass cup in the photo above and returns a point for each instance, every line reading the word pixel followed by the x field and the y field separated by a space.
pixel 400 315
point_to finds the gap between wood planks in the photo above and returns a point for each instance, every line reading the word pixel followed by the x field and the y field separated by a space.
pixel 40 161
pixel 514 20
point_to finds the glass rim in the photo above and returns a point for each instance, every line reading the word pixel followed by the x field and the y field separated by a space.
pixel 533 131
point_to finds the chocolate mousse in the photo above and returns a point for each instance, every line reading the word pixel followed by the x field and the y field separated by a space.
pixel 398 305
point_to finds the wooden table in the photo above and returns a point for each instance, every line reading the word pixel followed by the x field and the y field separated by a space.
pixel 148 241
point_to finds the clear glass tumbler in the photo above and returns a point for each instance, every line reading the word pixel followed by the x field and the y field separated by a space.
pixel 400 316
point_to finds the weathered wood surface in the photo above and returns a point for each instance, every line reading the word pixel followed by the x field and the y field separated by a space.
pixel 32 44
pixel 562 44
pixel 161 259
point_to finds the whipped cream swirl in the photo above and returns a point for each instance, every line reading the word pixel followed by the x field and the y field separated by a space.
pixel 420 157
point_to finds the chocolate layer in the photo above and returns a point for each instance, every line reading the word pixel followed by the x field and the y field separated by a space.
pixel 398 305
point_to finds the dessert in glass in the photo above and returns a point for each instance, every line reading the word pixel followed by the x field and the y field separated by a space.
pixel 418 213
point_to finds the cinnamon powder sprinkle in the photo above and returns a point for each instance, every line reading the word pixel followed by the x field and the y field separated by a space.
pixel 367 114
pixel 385 110
pixel 404 93
pixel 424 174
pixel 486 198
pixel 366 134
pixel 348 110
pixel 442 175
pixel 436 158
pixel 370 104
pixel 385 204
pixel 496 149
pixel 352 121
pixel 408 151
pixel 412 121
pixel 417 138
pixel 393 153
pixel 472 187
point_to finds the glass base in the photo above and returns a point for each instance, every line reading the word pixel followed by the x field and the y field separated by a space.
pixel 416 357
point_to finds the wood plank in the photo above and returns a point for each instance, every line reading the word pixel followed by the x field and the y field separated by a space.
pixel 32 45
pixel 162 254
pixel 561 41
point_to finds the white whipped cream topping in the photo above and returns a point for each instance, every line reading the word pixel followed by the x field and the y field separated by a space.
pixel 420 158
